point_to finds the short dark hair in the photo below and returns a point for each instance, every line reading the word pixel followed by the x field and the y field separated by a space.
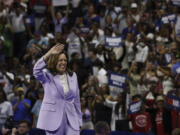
pixel 24 121
pixel 101 127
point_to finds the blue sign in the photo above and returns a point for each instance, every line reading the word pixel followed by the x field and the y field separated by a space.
pixel 29 20
pixel 134 107
pixel 176 68
pixel 113 41
pixel 171 18
pixel 85 30
pixel 176 2
pixel 173 102
pixel 117 80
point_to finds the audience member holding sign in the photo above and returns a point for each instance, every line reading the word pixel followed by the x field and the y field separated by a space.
pixel 173 102
pixel 141 121
pixel 119 112
pixel 113 41
pixel 162 118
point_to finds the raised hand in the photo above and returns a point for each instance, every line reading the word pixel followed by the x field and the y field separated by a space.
pixel 58 48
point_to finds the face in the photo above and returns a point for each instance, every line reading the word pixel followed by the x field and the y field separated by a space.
pixel 59 15
pixel 160 104
pixel 90 81
pixel 91 9
pixel 41 95
pixel 108 19
pixel 134 68
pixel 23 128
pixel 173 47
pixel 62 63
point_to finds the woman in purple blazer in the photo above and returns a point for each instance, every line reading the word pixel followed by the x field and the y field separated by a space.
pixel 60 113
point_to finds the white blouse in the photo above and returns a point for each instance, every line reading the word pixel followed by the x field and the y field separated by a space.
pixel 64 83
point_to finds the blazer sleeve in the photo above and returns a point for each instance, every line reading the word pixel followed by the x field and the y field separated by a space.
pixel 77 103
pixel 38 72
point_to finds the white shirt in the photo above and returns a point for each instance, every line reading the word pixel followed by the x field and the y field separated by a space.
pixel 74 45
pixel 8 86
pixel 142 53
pixel 5 111
pixel 59 2
pixel 64 83
pixel 177 27
pixel 18 22
pixel 114 117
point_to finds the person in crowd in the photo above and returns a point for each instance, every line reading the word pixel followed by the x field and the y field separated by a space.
pixel 21 106
pixel 141 121
pixel 23 128
pixel 162 118
pixel 42 10
pixel 135 78
pixel 17 13
pixel 175 115
pixel 119 112
pixel 176 131
pixel 86 116
pixel 59 20
pixel 90 63
pixel 36 108
pixel 91 16
pixel 60 112
pixel 102 128
pixel 5 108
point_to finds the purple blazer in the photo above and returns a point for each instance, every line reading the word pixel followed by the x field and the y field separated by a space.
pixel 55 103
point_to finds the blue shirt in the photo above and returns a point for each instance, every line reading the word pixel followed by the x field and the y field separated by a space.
pixel 42 42
pixel 21 112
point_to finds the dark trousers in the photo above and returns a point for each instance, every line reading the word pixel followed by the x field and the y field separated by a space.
pixel 19 44
pixel 122 125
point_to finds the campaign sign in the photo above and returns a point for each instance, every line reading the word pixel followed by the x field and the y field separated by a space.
pixel 113 41
pixel 172 18
pixel 176 68
pixel 29 20
pixel 173 102
pixel 117 80
pixel 176 2
pixel 134 107
pixel 85 30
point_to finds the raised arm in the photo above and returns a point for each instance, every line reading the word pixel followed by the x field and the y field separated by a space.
pixel 41 63
pixel 109 103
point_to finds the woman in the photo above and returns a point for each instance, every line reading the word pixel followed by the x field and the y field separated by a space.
pixel 86 115
pixel 60 113
pixel 135 79
pixel 5 108
pixel 119 112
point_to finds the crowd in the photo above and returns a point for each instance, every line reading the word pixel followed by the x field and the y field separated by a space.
pixel 107 41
